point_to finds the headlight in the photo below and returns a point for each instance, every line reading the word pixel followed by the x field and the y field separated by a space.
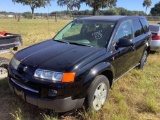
pixel 54 76
pixel 15 63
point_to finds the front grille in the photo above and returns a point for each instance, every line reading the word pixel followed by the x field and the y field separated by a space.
pixel 25 76
pixel 25 80
pixel 23 86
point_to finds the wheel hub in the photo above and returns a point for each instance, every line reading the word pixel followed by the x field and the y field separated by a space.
pixel 100 96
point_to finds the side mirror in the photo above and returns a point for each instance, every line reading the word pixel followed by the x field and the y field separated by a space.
pixel 123 42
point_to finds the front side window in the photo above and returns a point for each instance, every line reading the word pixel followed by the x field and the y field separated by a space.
pixel 124 31
pixel 86 32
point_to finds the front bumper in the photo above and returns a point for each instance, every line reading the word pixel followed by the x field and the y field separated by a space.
pixel 31 96
pixel 155 45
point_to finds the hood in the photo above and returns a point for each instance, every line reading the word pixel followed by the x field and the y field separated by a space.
pixel 52 55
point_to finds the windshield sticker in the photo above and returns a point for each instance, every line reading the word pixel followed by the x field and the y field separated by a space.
pixel 97 35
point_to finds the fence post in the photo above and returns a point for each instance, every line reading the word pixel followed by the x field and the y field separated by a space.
pixel 15 16
pixel 55 16
pixel 19 17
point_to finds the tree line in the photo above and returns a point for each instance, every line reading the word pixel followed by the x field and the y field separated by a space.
pixel 111 11
pixel 96 5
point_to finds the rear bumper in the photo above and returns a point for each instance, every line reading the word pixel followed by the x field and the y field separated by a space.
pixel 58 105
pixel 155 45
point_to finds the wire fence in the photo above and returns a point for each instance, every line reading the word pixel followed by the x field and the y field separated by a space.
pixel 66 17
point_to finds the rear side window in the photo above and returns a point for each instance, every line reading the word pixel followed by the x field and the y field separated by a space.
pixel 145 25
pixel 137 27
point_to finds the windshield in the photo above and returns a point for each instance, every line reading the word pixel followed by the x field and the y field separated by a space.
pixel 86 32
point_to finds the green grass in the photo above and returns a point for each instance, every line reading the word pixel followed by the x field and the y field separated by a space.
pixel 136 96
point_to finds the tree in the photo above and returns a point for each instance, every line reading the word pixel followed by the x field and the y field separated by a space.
pixel 97 4
pixel 155 11
pixel 27 15
pixel 112 11
pixel 147 3
pixel 70 4
pixel 4 13
pixel 87 12
pixel 33 4
pixel 122 11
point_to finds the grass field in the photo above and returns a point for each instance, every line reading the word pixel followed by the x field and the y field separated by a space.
pixel 136 96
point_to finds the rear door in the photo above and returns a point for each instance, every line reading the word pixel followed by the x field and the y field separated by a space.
pixel 140 39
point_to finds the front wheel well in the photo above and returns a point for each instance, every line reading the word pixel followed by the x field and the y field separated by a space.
pixel 109 75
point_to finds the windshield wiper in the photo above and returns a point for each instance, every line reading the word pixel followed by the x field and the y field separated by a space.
pixel 75 43
pixel 62 41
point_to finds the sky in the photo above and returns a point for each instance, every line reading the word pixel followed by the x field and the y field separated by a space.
pixel 9 6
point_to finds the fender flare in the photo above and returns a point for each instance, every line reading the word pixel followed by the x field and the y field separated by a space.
pixel 98 69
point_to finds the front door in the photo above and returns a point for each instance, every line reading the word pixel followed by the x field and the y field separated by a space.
pixel 124 57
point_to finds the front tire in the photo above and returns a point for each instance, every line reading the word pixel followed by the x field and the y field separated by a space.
pixel 97 93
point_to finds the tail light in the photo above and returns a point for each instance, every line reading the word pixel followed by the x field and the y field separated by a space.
pixel 156 37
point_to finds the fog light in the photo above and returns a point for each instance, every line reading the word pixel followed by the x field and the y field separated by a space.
pixel 52 93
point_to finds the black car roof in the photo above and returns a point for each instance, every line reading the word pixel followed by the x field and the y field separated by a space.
pixel 109 18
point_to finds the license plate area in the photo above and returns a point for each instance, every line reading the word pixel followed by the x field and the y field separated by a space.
pixel 19 93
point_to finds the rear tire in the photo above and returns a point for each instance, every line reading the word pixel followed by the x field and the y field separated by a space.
pixel 97 93
pixel 143 60
pixel 4 62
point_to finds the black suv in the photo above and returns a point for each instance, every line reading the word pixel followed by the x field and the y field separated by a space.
pixel 79 65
